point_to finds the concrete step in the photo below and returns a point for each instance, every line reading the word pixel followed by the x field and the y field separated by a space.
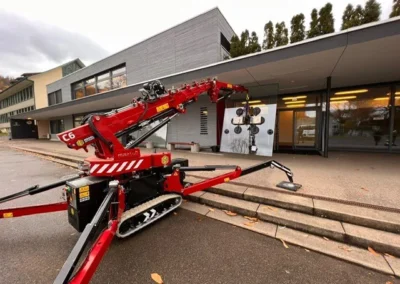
pixel 381 241
pixel 354 214
pixel 382 263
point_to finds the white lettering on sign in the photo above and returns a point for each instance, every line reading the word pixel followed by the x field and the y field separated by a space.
pixel 68 136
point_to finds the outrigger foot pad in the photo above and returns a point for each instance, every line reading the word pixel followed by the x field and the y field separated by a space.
pixel 289 185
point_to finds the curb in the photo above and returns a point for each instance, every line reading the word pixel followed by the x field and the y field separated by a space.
pixel 375 261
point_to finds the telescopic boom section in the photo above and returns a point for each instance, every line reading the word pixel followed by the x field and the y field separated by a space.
pixel 102 129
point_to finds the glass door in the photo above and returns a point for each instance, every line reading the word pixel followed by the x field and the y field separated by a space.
pixel 305 129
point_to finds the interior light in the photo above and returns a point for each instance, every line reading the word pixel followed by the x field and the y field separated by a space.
pixel 381 99
pixel 299 105
pixel 258 105
pixel 397 93
pixel 339 102
pixel 252 102
pixel 352 92
pixel 295 102
pixel 29 118
pixel 294 98
pixel 343 98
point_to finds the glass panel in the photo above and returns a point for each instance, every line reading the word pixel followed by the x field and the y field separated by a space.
pixel 360 118
pixel 119 81
pixel 78 94
pixel 119 71
pixel 77 85
pixel 396 126
pixel 77 120
pixel 103 86
pixel 103 76
pixel 58 97
pixel 285 129
pixel 52 99
pixel 90 90
pixel 89 81
pixel 305 128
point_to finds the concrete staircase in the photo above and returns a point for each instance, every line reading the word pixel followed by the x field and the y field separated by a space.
pixel 351 224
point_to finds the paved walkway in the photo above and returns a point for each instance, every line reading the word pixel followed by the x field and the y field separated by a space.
pixel 371 178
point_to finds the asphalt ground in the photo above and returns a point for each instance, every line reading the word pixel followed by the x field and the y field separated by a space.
pixel 182 248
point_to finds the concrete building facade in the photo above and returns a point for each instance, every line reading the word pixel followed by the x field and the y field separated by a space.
pixel 340 91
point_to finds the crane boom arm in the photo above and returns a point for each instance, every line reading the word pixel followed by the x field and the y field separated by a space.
pixel 103 129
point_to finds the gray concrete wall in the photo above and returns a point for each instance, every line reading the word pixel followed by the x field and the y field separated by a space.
pixel 191 44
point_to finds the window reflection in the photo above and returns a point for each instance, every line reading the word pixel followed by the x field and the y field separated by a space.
pixel 103 86
pixel 119 81
pixel 111 79
pixel 360 118
pixel 90 90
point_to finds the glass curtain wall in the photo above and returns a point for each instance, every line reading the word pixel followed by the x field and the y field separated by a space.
pixel 360 118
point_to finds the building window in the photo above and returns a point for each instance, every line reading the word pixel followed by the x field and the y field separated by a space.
pixel 111 79
pixel 21 96
pixel 203 121
pixel 225 43
pixel 360 118
pixel 56 126
pixel 55 98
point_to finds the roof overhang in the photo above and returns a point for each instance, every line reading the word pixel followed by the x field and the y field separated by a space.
pixel 24 83
pixel 362 55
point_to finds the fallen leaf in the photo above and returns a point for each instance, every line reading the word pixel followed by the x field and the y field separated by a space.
pixel 326 239
pixel 389 282
pixel 175 213
pixel 287 271
pixel 284 244
pixel 307 250
pixel 212 210
pixel 371 250
pixel 363 188
pixel 199 219
pixel 250 224
pixel 230 213
pixel 157 278
pixel 253 219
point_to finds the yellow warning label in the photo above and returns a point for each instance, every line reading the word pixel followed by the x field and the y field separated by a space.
pixel 84 189
pixel 227 179
pixel 164 160
pixel 229 86
pixel 247 97
pixel 84 194
pixel 72 211
pixel 162 107
pixel 8 215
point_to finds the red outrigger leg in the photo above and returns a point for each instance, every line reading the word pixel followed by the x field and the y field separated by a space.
pixel 31 210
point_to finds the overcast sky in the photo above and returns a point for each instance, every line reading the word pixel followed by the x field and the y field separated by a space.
pixel 39 35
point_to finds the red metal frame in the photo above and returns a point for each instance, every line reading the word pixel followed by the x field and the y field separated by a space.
pixel 112 153
pixel 30 210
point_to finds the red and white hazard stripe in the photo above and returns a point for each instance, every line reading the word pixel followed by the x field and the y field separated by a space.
pixel 110 168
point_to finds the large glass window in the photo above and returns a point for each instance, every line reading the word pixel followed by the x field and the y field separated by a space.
pixel 56 126
pixel 110 79
pixel 55 98
pixel 360 118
